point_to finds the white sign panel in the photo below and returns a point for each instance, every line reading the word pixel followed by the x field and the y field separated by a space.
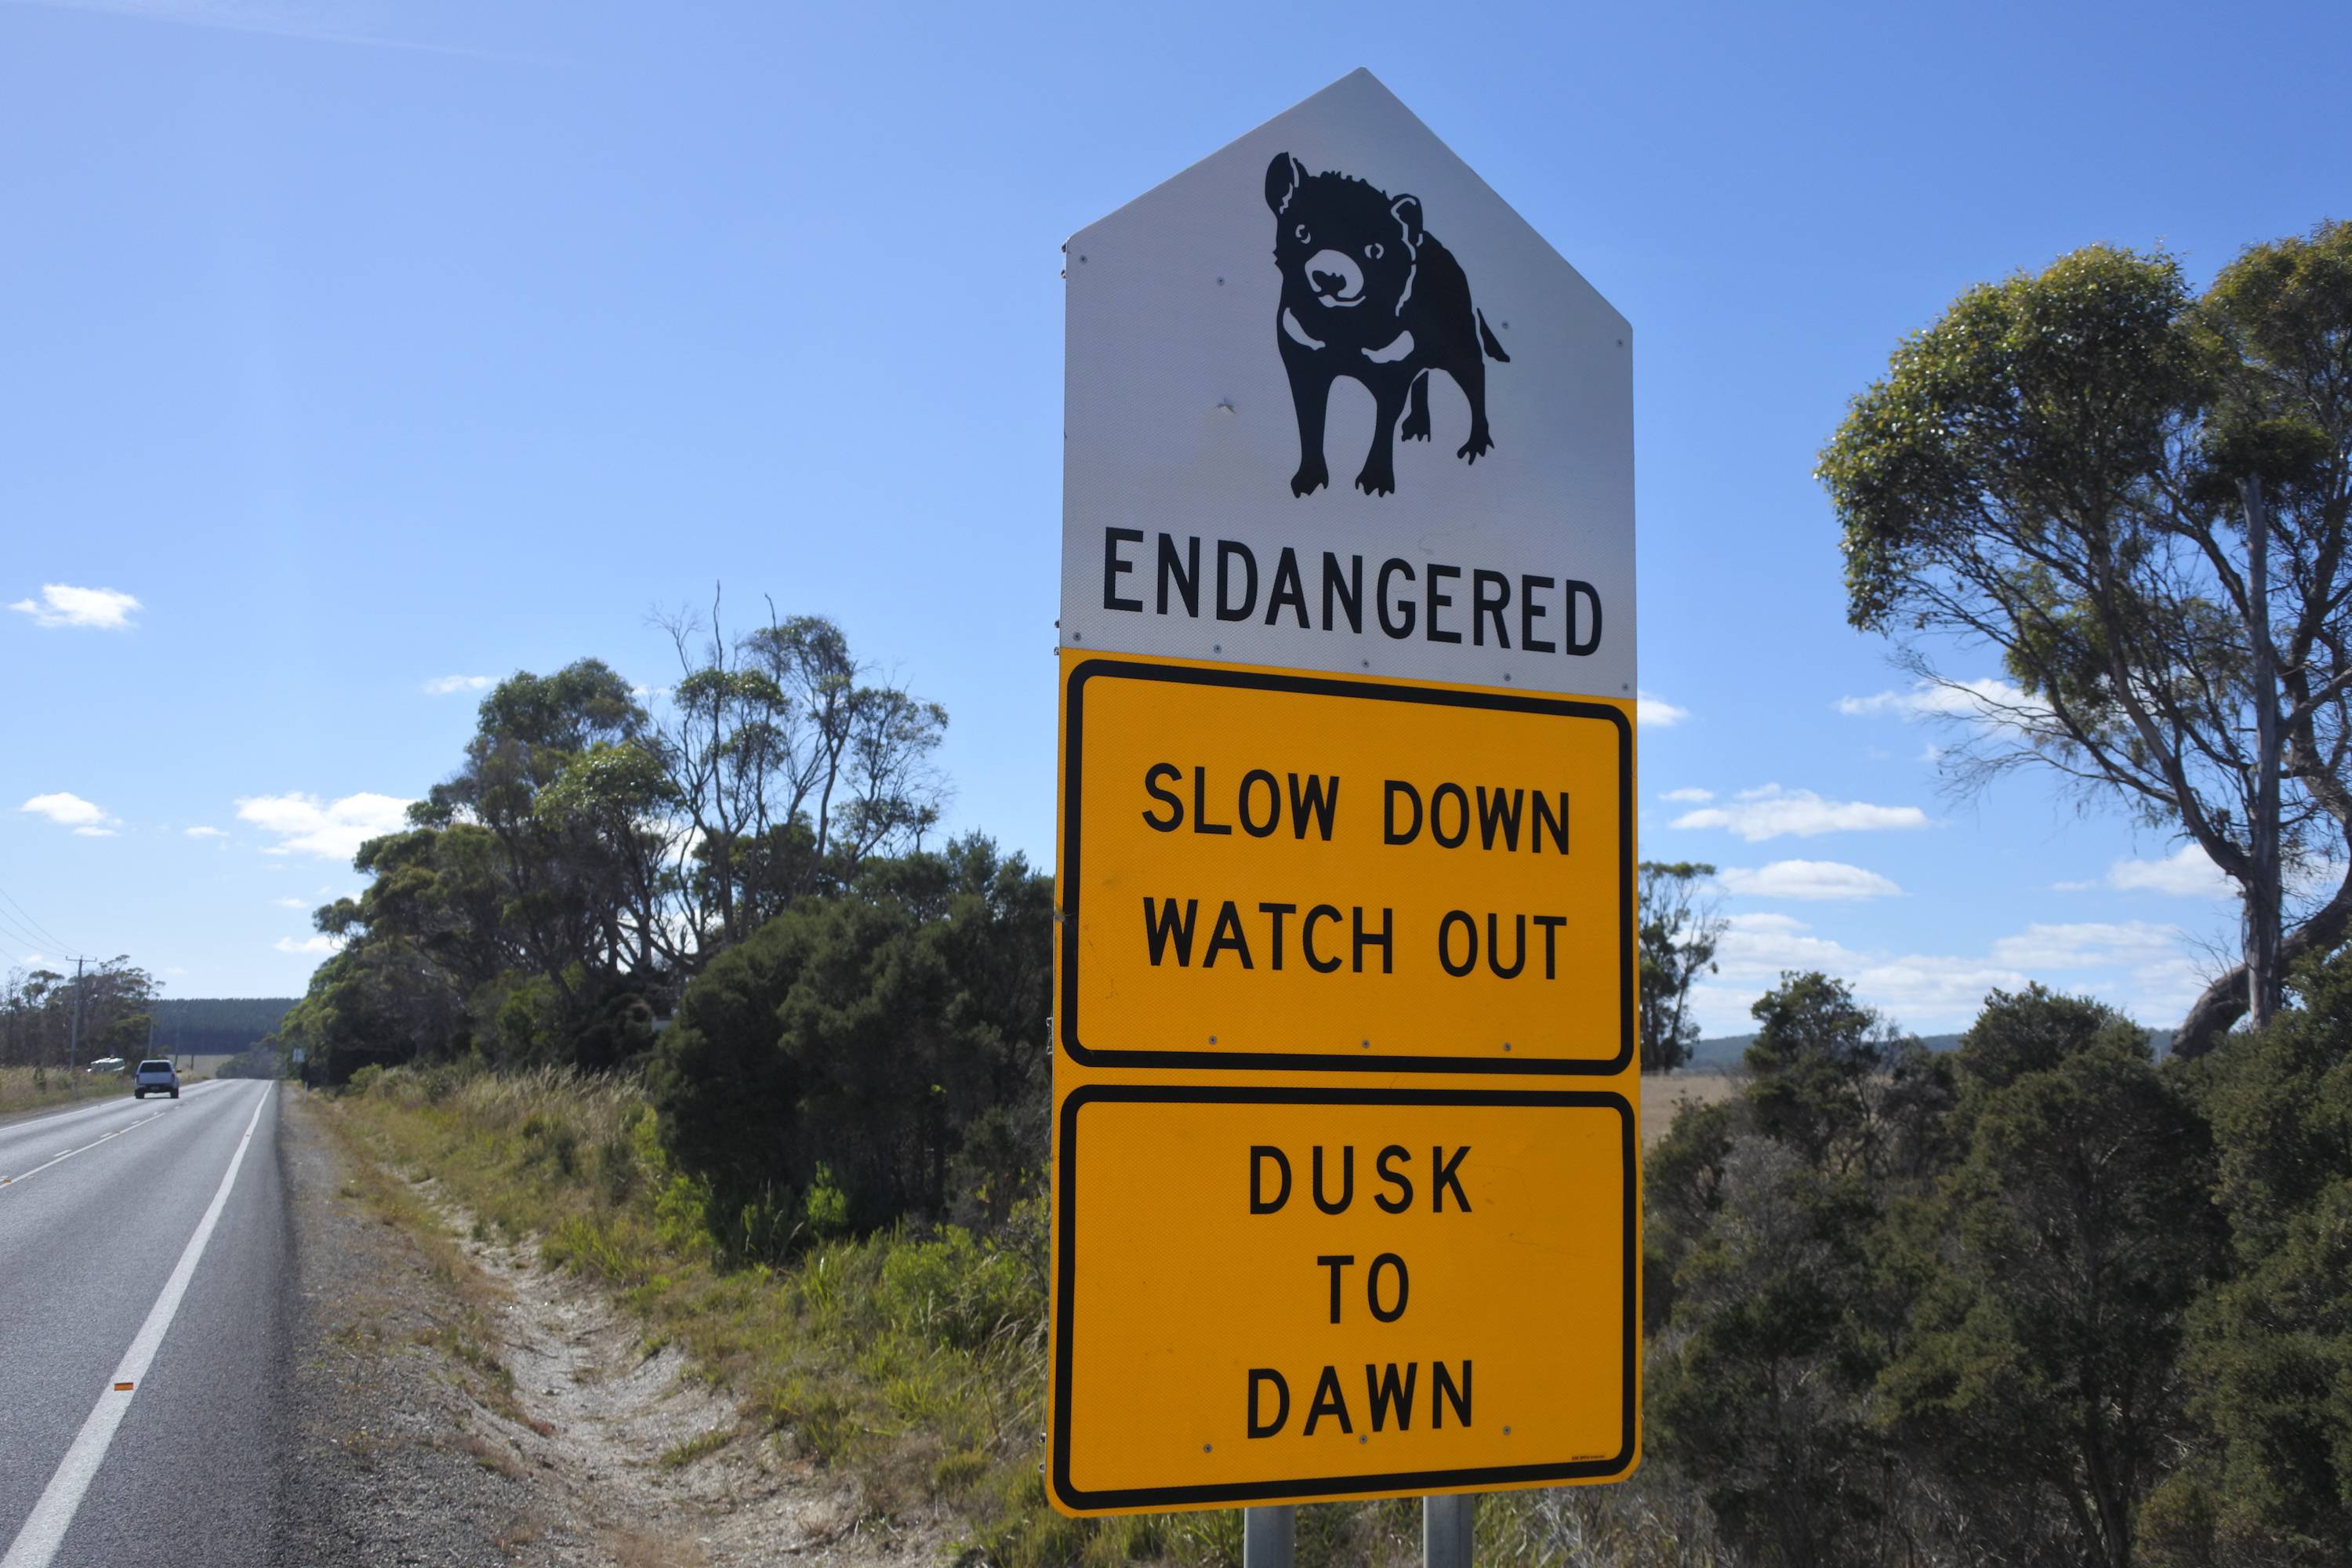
pixel 1332 404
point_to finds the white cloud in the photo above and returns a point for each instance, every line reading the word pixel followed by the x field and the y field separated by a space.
pixel 84 817
pixel 290 903
pixel 1990 702
pixel 319 946
pixel 1656 713
pixel 2150 971
pixel 204 833
pixel 2089 944
pixel 1757 947
pixel 441 685
pixel 1756 815
pixel 1926 991
pixel 2186 874
pixel 97 609
pixel 333 829
pixel 1812 879
pixel 1689 796
pixel 2162 991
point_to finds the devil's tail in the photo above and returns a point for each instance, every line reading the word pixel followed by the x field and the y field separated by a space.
pixel 1487 336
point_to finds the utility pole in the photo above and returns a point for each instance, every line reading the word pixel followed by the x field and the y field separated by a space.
pixel 73 1036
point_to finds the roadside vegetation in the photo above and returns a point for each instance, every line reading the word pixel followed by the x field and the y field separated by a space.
pixel 678 985
pixel 912 1357
pixel 40 1088
pixel 60 1023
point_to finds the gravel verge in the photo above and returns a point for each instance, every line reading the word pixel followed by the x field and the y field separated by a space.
pixel 453 1402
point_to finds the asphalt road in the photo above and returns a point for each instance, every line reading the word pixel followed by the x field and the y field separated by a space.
pixel 129 1252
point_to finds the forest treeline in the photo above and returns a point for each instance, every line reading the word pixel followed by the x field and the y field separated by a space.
pixel 52 1019
pixel 216 1026
pixel 121 1016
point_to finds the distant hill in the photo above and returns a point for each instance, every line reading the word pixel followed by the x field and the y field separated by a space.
pixel 1722 1053
pixel 208 1026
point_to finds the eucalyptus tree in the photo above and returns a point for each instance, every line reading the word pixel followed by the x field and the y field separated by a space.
pixel 790 763
pixel 1679 927
pixel 2138 498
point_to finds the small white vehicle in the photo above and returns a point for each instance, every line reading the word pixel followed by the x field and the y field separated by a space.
pixel 156 1075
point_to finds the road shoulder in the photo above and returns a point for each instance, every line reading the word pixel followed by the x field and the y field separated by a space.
pixel 397 1455
pixel 457 1402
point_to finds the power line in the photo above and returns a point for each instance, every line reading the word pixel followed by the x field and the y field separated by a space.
pixel 47 938
pixel 17 933
pixel 31 944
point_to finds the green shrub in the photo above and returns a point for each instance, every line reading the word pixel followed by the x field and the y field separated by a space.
pixel 888 1035
pixel 956 1290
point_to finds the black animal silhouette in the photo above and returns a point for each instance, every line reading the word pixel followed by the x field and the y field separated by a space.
pixel 1368 292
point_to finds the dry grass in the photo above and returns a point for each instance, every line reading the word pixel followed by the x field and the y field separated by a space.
pixel 37 1089
pixel 1667 1097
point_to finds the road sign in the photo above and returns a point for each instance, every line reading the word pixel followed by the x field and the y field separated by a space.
pixel 1270 870
pixel 1341 1291
pixel 1346 1185
pixel 1331 403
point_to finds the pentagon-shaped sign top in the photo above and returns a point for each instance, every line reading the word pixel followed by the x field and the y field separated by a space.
pixel 1331 403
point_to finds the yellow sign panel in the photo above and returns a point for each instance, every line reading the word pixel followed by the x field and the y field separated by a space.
pixel 1263 868
pixel 1287 1293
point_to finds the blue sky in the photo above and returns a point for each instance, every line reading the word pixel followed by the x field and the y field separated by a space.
pixel 369 347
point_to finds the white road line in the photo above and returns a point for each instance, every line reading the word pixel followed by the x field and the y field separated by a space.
pixel 28 1175
pixel 48 1119
pixel 45 1528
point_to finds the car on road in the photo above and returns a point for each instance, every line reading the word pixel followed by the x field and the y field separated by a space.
pixel 156 1076
pixel 107 1064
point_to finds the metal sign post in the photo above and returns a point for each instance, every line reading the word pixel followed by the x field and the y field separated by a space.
pixel 1447 1527
pixel 1269 1537
pixel 1347 1187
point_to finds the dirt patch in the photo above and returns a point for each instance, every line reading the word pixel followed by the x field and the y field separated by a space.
pixel 466 1404
pixel 663 1456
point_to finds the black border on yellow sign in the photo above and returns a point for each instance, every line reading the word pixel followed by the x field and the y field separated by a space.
pixel 1405 1481
pixel 1073 882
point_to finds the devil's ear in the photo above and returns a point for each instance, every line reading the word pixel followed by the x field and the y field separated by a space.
pixel 1406 210
pixel 1282 178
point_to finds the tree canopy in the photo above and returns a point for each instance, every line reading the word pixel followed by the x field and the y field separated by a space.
pixel 2142 499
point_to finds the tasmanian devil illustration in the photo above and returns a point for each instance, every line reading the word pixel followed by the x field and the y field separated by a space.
pixel 1370 293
